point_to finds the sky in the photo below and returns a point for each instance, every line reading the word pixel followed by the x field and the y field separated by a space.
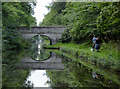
pixel 40 10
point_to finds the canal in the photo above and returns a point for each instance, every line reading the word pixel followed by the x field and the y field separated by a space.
pixel 39 67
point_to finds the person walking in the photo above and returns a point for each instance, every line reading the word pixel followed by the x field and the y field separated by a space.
pixel 94 75
pixel 94 40
pixel 97 45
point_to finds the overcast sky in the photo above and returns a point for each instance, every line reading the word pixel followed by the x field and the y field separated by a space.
pixel 40 9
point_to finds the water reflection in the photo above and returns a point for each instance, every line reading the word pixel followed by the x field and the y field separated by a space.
pixel 79 75
pixel 42 53
pixel 37 51
pixel 38 78
pixel 75 74
pixel 12 77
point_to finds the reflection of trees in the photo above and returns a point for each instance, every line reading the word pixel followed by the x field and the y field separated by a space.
pixel 56 78
pixel 44 54
pixel 15 78
pixel 76 75
pixel 11 76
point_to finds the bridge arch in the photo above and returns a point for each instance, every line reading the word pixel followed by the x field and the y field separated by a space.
pixel 54 33
pixel 43 59
pixel 47 37
pixel 43 35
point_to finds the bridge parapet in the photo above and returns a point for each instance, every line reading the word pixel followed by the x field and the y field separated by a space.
pixel 42 30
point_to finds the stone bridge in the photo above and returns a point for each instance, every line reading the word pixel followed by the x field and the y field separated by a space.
pixel 54 33
pixel 53 63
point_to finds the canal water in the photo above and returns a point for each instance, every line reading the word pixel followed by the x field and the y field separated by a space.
pixel 43 68
pixel 38 78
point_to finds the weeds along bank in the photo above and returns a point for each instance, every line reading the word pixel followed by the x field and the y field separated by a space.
pixel 108 57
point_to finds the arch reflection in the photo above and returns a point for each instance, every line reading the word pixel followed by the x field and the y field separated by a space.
pixel 38 53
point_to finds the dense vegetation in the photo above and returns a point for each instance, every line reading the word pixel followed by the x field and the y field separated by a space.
pixel 83 20
pixel 15 14
pixel 54 17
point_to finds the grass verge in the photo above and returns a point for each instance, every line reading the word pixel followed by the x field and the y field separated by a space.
pixel 107 57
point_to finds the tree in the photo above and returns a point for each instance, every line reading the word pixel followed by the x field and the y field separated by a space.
pixel 54 17
pixel 15 14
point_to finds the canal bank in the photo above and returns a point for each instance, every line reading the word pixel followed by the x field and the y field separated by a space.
pixel 108 74
pixel 108 57
pixel 105 62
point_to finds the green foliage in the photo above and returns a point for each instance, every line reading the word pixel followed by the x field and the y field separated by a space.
pixel 84 19
pixel 15 14
pixel 11 77
pixel 58 7
pixel 108 21
pixel 66 37
pixel 55 16
pixel 13 41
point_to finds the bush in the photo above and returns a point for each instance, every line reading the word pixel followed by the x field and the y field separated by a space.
pixel 66 37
